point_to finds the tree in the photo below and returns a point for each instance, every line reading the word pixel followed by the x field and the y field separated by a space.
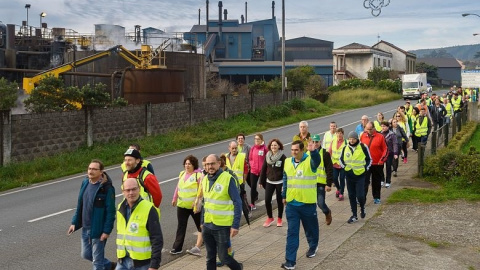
pixel 8 94
pixel 316 88
pixel 298 77
pixel 377 74
pixel 432 71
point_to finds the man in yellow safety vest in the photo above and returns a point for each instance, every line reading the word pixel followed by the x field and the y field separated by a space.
pixel 139 234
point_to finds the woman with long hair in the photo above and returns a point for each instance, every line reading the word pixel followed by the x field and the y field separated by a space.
pixel 271 179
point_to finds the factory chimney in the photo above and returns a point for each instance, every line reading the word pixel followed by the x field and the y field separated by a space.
pixel 242 19
pixel 273 9
pixel 220 23
pixel 207 19
pixel 225 13
pixel 199 12
pixel 246 12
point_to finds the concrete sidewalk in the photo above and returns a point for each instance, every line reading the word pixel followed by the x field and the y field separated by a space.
pixel 264 248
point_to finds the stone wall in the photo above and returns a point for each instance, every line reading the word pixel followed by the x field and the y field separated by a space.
pixel 47 134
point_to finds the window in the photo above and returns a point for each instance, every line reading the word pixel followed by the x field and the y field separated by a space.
pixel 388 63
pixel 384 62
pixel 378 62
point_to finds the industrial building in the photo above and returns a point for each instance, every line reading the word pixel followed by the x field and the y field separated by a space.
pixel 242 51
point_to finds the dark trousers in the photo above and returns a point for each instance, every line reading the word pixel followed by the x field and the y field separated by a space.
pixel 403 146
pixel 269 189
pixel 253 183
pixel 307 215
pixel 356 191
pixel 376 173
pixel 415 141
pixel 388 168
pixel 339 179
pixel 182 221
pixel 218 240
pixel 395 161
pixel 321 199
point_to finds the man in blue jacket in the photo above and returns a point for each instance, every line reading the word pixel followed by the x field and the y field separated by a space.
pixel 95 214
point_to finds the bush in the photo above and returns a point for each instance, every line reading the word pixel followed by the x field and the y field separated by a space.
pixel 394 86
pixel 297 104
pixel 8 94
pixel 316 88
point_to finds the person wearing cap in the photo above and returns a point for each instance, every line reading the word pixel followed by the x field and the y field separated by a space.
pixel 145 163
pixel 324 178
pixel 361 127
pixel 149 186
pixel 355 159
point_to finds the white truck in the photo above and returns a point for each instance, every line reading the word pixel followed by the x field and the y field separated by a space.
pixel 414 85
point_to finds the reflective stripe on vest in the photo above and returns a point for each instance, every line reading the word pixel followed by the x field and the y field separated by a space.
pixel 421 129
pixel 238 166
pixel 409 110
pixel 301 182
pixel 337 151
pixel 321 174
pixel 456 104
pixel 187 189
pixel 354 161
pixel 133 236
pixel 218 207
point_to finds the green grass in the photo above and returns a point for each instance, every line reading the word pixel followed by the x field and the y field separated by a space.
pixel 47 168
pixel 357 98
pixel 454 189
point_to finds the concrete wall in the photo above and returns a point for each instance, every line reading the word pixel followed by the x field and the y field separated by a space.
pixel 28 136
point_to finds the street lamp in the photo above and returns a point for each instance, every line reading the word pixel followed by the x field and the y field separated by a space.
pixel 468 14
pixel 27 6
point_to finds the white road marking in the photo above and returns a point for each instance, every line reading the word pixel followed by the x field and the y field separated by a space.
pixel 51 215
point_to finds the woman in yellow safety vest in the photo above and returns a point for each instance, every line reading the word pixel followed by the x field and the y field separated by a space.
pixel 335 151
pixel 376 123
pixel 184 199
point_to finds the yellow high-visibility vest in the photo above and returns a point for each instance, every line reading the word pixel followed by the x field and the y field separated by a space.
pixel 354 161
pixel 187 189
pixel 421 129
pixel 238 166
pixel 218 207
pixel 301 182
pixel 133 236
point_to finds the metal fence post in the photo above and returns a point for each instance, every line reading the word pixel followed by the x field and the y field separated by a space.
pixel 421 153
pixel 445 132
pixel 434 141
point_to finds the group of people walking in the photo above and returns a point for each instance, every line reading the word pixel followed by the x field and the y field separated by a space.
pixel 215 195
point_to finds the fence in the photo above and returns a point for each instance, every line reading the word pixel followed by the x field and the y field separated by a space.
pixel 441 136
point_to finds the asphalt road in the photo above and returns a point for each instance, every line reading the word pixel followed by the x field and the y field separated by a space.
pixel 34 219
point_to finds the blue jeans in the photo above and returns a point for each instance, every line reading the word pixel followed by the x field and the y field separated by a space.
pixel 356 191
pixel 307 213
pixel 94 251
pixel 339 182
pixel 321 200
pixel 126 263
pixel 218 240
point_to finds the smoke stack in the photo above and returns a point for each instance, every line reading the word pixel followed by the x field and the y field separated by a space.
pixel 225 13
pixel 246 12
pixel 273 9
pixel 207 19
pixel 242 19
pixel 199 12
pixel 220 23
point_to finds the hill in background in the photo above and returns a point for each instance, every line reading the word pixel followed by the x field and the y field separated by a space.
pixel 462 52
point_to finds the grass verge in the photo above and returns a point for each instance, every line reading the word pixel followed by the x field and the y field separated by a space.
pixel 47 168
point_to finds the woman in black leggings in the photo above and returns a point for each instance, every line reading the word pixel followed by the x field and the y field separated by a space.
pixel 271 179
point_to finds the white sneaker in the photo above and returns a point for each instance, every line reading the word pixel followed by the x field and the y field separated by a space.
pixel 387 185
pixel 382 183
pixel 194 251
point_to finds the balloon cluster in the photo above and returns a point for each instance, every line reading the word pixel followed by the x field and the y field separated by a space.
pixel 376 6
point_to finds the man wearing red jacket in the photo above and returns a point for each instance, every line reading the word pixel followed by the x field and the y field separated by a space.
pixel 149 187
pixel 379 152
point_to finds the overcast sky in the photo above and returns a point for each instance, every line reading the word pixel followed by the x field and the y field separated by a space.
pixel 409 24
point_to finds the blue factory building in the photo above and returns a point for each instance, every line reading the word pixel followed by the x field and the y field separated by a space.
pixel 245 51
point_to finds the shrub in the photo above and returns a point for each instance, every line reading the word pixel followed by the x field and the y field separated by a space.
pixel 8 94
pixel 297 104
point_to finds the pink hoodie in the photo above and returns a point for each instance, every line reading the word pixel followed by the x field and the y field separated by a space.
pixel 257 157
